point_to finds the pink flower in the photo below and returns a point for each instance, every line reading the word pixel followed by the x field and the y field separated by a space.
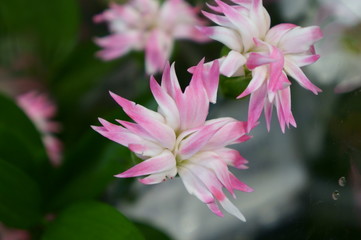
pixel 269 54
pixel 13 234
pixel 40 110
pixel 144 24
pixel 177 139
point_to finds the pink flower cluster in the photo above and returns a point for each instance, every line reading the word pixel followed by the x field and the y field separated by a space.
pixel 270 54
pixel 177 139
pixel 148 25
pixel 40 110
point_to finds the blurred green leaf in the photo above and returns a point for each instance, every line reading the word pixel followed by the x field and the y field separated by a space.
pixel 89 169
pixel 52 25
pixel 232 87
pixel 91 221
pixel 20 198
pixel 150 232
pixel 81 71
pixel 20 142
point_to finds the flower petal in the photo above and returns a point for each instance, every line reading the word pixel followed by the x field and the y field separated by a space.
pixel 302 60
pixel 243 24
pixel 296 73
pixel 300 39
pixel 163 162
pixel 258 78
pixel 256 104
pixel 232 157
pixel 275 34
pixel 232 63
pixel 157 51
pixel 226 135
pixel 227 36
pixel 151 121
pixel 167 106
pixel 170 81
pixel 194 186
pixel 196 141
pixel 283 106
pixel 210 78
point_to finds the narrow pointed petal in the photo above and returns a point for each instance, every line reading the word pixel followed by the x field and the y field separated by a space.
pixel 275 71
pixel 227 36
pixel 194 186
pixel 136 129
pixel 149 120
pixel 197 141
pixel 218 19
pixel 232 63
pixel 117 45
pixel 154 178
pixel 244 25
pixel 170 81
pixel 256 104
pixel 123 136
pixel 275 34
pixel 193 105
pixel 232 157
pixel 256 59
pixel 215 209
pixel 227 135
pixel 303 60
pixel 167 105
pixel 260 17
pixel 283 105
pixel 210 79
pixel 296 73
pixel 157 51
pixel 258 78
pixel 238 185
pixel 268 107
pixel 163 162
pixel 159 177
pixel 300 39
pixel 211 160
pixel 229 207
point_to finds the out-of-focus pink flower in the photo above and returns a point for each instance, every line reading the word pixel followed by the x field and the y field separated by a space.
pixel 341 50
pixel 269 54
pixel 145 24
pixel 178 140
pixel 40 110
pixel 13 234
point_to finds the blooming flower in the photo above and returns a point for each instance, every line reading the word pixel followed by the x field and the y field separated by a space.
pixel 144 24
pixel 177 139
pixel 341 22
pixel 40 110
pixel 269 54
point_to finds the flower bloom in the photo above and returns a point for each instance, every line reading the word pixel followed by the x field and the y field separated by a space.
pixel 177 139
pixel 144 24
pixel 269 54
pixel 40 110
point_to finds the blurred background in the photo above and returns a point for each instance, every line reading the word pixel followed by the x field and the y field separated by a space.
pixel 56 176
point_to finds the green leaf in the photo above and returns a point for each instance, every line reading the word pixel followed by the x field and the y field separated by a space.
pixel 20 198
pixel 91 221
pixel 232 87
pixel 88 171
pixel 51 25
pixel 20 141
pixel 81 72
pixel 150 232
